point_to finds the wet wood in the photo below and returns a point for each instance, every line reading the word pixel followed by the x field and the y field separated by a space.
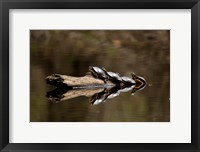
pixel 70 81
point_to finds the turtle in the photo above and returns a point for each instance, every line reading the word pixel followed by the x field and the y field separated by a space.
pixel 134 76
pixel 140 83
pixel 127 80
pixel 138 88
pixel 99 73
pixel 139 80
pixel 114 77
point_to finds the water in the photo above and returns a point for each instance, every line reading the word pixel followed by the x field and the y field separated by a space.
pixel 145 53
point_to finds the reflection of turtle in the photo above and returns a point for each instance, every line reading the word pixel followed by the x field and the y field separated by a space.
pixel 98 97
pixel 113 95
pixel 126 89
pixel 98 73
pixel 113 92
pixel 107 93
pixel 98 100
pixel 114 77
pixel 140 82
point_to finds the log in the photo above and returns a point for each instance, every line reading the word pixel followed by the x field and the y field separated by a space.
pixel 70 81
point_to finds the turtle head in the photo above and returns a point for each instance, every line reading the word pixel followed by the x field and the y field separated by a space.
pixel 92 71
pixel 90 68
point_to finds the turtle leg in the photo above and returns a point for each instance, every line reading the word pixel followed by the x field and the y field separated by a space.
pixel 134 76
pixel 88 73
pixel 94 74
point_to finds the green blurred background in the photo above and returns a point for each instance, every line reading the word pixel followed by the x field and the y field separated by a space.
pixel 71 52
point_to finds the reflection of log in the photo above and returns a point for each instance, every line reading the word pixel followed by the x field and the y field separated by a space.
pixel 58 95
pixel 70 81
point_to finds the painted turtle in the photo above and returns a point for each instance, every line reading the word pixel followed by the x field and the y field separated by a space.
pixel 114 77
pixel 140 83
pixel 128 80
pixel 98 73
pixel 139 80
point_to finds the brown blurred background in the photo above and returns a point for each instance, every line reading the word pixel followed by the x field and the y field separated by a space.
pixel 145 52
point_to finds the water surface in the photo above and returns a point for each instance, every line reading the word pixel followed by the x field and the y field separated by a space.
pixel 71 53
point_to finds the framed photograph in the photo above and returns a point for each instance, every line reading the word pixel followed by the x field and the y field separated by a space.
pixel 99 75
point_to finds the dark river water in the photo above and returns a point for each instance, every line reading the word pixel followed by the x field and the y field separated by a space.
pixel 146 53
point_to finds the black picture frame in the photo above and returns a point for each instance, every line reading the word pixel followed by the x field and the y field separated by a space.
pixel 5 5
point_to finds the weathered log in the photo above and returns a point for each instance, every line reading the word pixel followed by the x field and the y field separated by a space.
pixel 70 81
pixel 96 77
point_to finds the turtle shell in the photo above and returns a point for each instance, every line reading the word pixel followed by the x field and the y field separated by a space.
pixel 128 80
pixel 98 73
pixel 138 79
pixel 114 76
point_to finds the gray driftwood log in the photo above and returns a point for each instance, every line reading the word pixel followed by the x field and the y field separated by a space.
pixel 96 77
pixel 70 81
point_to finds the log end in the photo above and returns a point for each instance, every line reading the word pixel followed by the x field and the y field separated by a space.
pixel 56 80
